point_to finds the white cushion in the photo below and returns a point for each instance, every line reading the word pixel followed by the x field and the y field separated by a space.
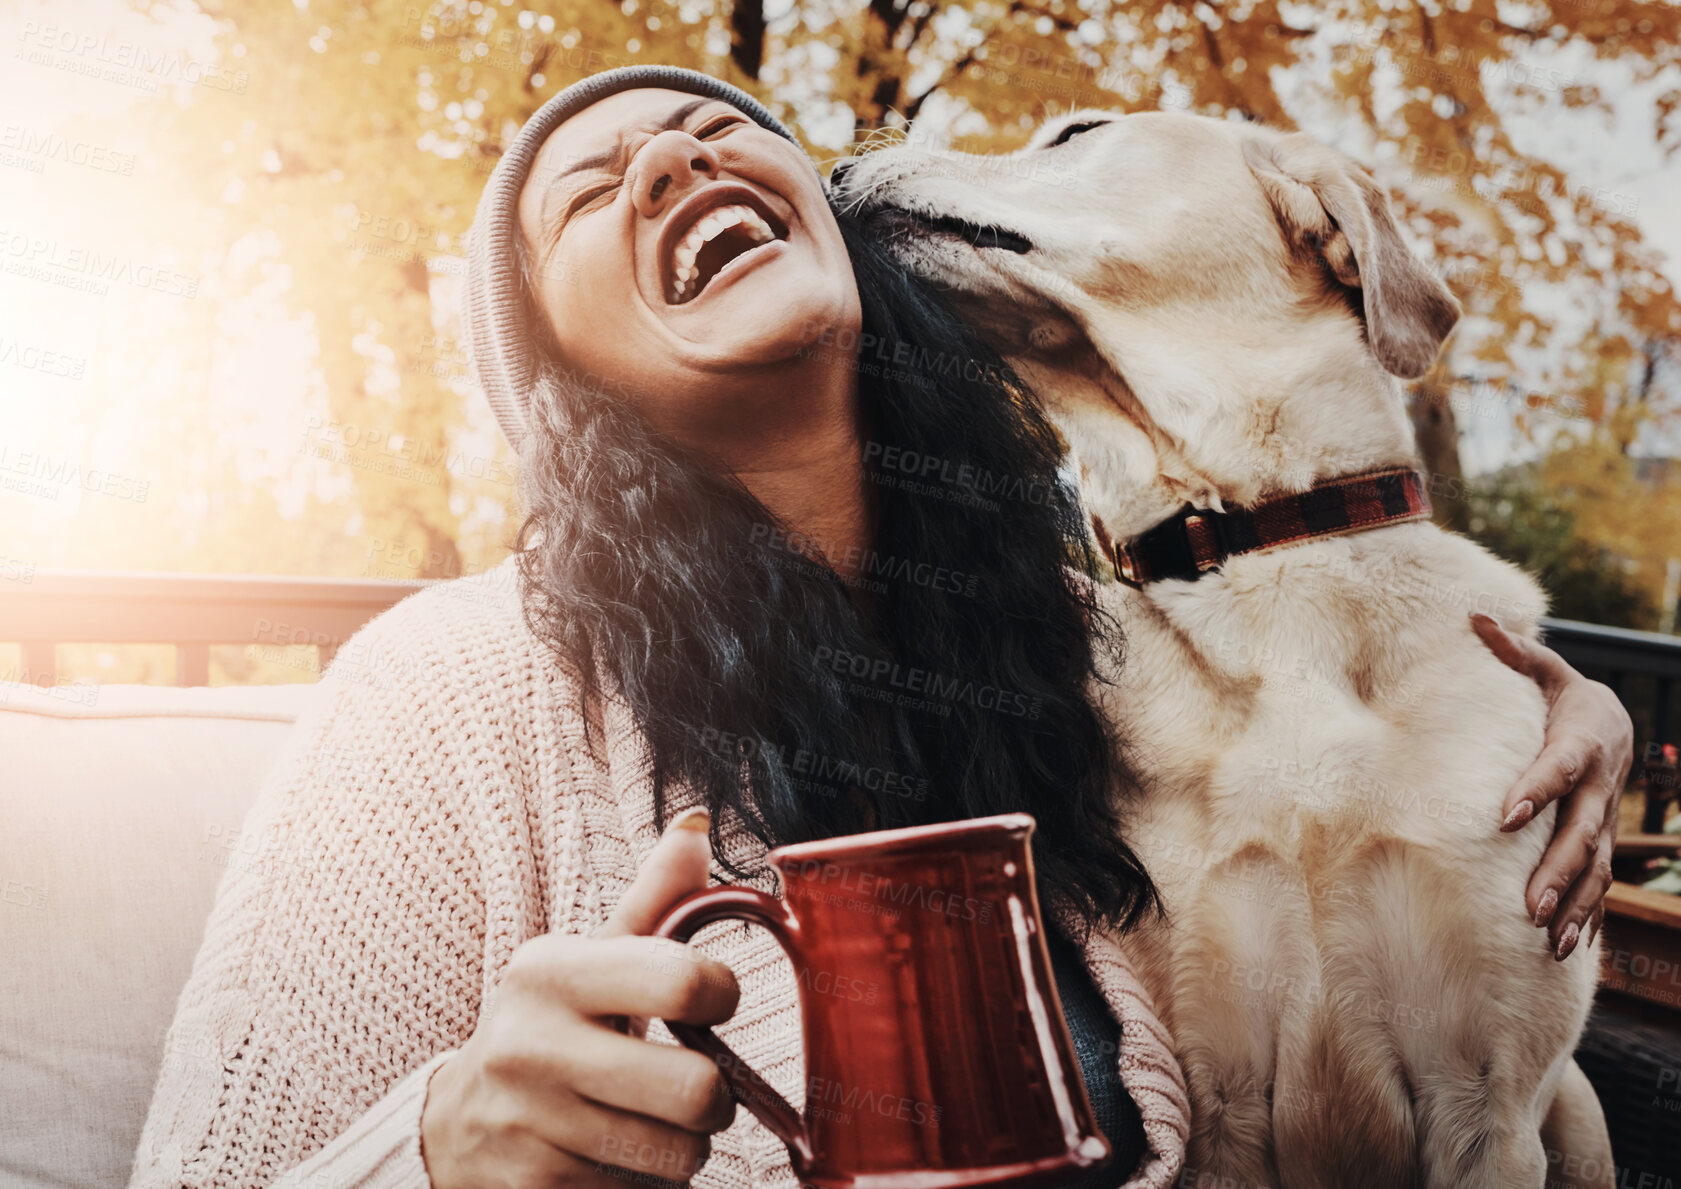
pixel 120 808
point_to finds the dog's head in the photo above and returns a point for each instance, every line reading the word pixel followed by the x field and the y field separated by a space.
pixel 1213 311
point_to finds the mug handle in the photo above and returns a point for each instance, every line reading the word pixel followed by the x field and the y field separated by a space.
pixel 684 920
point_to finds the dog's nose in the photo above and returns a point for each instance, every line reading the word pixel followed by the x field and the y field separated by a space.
pixel 839 172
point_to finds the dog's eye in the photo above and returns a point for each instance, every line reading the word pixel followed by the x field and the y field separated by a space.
pixel 1073 130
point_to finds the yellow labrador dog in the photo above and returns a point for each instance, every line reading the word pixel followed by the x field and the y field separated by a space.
pixel 1215 314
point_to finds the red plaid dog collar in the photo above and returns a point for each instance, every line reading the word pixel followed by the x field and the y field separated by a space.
pixel 1195 541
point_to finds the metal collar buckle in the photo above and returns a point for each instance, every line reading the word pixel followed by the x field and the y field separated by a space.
pixel 1202 545
pixel 1126 565
pixel 1202 539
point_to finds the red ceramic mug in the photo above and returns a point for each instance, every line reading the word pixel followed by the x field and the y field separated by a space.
pixel 936 1053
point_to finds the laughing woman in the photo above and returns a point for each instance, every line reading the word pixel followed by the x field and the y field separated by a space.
pixel 437 976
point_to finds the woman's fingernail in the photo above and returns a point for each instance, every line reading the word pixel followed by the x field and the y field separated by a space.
pixel 1566 942
pixel 1520 815
pixel 696 819
pixel 1486 618
pixel 1544 910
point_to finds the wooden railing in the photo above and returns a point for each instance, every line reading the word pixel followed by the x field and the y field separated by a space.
pixel 1641 952
pixel 194 611
pixel 1641 667
pixel 190 611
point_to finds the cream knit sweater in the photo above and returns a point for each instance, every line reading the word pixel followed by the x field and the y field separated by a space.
pixel 438 805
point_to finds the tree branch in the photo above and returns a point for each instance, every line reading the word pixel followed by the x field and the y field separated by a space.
pixel 920 23
pixel 747 36
pixel 1519 31
pixel 891 14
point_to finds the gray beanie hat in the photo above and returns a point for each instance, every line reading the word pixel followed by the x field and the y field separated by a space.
pixel 499 341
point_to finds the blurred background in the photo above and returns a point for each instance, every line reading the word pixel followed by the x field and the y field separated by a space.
pixel 230 242
pixel 236 421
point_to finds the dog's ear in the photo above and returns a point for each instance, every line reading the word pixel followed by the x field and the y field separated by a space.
pixel 1328 204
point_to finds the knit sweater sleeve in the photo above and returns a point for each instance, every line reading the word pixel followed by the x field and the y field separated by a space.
pixel 346 953
pixel 1148 1068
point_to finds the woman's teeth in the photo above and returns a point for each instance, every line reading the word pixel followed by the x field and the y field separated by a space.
pixel 685 273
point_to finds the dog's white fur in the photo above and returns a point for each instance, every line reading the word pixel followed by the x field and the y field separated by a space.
pixel 1216 312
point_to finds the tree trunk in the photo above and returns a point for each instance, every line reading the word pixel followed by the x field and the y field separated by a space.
pixel 747 36
pixel 1438 445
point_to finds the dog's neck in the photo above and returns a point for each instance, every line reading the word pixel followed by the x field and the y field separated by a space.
pixel 1211 425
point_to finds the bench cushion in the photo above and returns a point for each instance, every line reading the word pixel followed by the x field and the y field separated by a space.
pixel 120 808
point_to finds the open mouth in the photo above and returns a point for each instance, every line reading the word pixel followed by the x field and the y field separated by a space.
pixel 716 238
pixel 978 235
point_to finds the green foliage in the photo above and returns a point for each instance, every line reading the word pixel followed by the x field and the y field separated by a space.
pixel 1516 516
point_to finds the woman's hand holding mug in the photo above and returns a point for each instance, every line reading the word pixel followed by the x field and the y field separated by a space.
pixel 557 1085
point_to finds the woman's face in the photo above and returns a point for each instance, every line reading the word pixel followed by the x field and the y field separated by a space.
pixel 683 255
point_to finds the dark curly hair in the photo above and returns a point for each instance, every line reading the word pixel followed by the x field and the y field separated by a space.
pixel 957 684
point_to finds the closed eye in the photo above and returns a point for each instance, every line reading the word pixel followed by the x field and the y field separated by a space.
pixel 584 198
pixel 714 127
pixel 588 196
pixel 1070 131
